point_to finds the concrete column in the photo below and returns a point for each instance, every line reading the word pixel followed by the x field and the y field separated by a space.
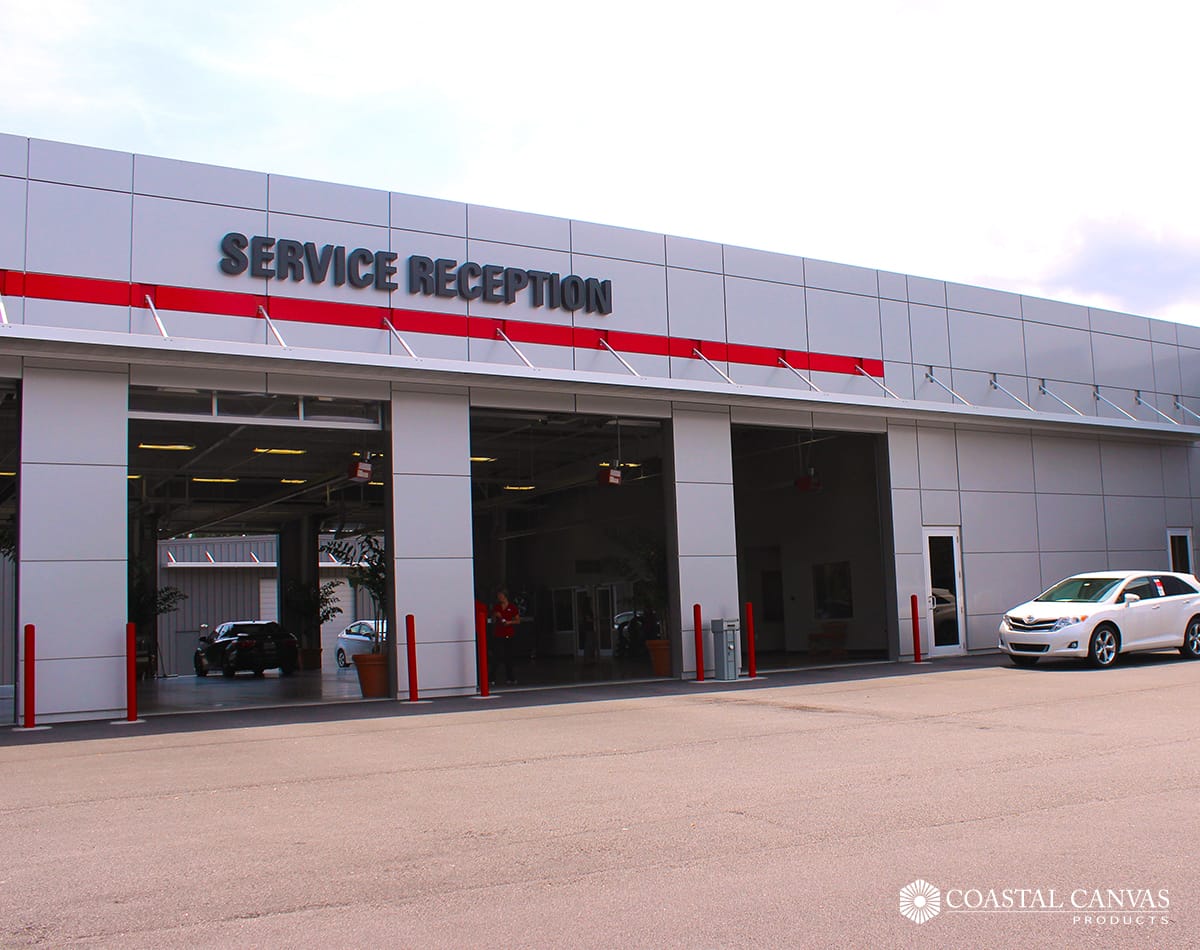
pixel 705 539
pixel 431 485
pixel 74 538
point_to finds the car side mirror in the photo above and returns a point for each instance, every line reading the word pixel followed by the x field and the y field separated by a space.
pixel 1132 598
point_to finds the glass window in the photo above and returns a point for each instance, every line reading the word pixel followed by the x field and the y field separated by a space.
pixel 327 409
pixel 192 402
pixel 1144 587
pixel 1175 587
pixel 1181 552
pixel 1080 590
pixel 258 406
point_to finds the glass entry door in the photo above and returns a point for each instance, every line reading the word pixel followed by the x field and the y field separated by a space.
pixel 945 616
pixel 593 622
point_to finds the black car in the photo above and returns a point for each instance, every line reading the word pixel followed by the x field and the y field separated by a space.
pixel 248 645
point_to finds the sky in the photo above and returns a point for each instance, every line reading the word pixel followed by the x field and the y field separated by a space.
pixel 1048 148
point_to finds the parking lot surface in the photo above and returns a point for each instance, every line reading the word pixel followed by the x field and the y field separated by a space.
pixel 786 812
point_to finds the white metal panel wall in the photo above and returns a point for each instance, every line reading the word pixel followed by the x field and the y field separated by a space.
pixel 704 520
pixel 1032 509
pixel 435 577
pixel 74 538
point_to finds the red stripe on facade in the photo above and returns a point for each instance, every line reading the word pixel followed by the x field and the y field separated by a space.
pixel 208 301
pixel 427 321
pixel 112 293
pixel 315 311
pixel 227 303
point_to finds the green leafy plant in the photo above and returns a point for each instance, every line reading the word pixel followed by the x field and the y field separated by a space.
pixel 148 602
pixel 366 557
pixel 313 600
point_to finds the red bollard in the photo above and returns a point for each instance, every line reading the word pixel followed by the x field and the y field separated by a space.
pixel 751 657
pixel 699 644
pixel 131 710
pixel 410 629
pixel 481 646
pixel 916 624
pixel 30 677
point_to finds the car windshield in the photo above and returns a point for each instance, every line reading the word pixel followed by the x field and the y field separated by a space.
pixel 1080 590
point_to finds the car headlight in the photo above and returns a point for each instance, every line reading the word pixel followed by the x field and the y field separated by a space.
pixel 1065 622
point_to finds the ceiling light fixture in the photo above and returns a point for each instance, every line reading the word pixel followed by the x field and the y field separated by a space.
pixel 166 446
pixel 215 481
pixel 292 481
pixel 522 487
pixel 280 451
pixel 482 458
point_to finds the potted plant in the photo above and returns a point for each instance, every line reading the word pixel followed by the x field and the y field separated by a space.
pixel 644 566
pixel 146 604
pixel 314 604
pixel 367 557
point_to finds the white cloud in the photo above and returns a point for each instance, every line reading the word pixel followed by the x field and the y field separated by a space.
pixel 978 144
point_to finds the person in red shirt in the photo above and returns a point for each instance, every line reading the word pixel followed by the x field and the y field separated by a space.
pixel 506 617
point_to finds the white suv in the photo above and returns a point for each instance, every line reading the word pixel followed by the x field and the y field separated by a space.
pixel 1101 615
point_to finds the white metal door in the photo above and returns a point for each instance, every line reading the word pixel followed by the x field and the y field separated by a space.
pixel 944 609
pixel 268 598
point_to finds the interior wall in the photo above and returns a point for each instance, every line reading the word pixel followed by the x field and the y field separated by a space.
pixel 588 536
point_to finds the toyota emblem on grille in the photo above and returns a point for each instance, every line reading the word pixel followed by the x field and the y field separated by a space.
pixel 1029 621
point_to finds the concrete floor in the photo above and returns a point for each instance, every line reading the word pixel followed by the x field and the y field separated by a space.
pixel 787 812
pixel 189 693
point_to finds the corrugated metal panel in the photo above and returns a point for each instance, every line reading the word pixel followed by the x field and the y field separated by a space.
pixel 214 596
pixel 222 550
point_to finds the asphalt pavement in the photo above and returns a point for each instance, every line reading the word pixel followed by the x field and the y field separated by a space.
pixel 1053 807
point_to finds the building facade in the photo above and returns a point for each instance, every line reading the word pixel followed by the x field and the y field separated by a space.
pixel 820 440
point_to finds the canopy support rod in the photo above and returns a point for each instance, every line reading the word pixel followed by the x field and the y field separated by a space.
pixel 713 366
pixel 808 382
pixel 157 319
pixel 504 336
pixel 271 326
pixel 996 385
pixel 399 339
pixel 1109 402
pixel 937 382
pixel 863 372
pixel 1062 402
pixel 1153 408
pixel 620 358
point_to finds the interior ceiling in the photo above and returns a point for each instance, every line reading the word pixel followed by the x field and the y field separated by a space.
pixel 555 452
pixel 260 500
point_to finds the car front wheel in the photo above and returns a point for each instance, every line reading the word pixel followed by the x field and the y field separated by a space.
pixel 1103 647
pixel 341 658
pixel 200 665
pixel 1191 640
